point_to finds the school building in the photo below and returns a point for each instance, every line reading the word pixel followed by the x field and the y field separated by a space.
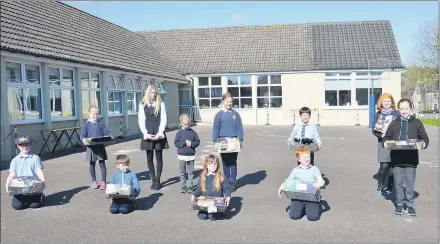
pixel 274 70
pixel 56 61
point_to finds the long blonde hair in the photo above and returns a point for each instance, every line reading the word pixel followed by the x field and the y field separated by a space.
pixel 146 98
pixel 219 178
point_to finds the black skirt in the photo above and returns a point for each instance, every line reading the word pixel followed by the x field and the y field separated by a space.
pixel 160 144
pixel 96 153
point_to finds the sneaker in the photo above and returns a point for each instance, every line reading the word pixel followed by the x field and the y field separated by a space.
pixel 386 191
pixel 398 210
pixel 190 190
pixel 232 187
pixel 411 211
pixel 183 189
pixel 103 186
pixel 94 185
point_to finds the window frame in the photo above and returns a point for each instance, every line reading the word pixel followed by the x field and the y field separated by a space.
pixel 134 91
pixel 239 85
pixel 269 85
pixel 337 78
pixel 115 90
pixel 371 85
pixel 22 85
pixel 61 87
pixel 90 89
pixel 210 86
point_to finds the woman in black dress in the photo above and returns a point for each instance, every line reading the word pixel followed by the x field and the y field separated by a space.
pixel 152 118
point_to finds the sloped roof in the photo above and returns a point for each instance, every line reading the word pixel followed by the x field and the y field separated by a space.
pixel 56 30
pixel 269 48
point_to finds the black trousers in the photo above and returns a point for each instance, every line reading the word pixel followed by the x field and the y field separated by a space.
pixel 299 208
pixel 159 163
pixel 26 201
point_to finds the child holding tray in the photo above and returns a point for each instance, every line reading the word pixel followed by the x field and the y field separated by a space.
pixel 304 173
pixel 404 162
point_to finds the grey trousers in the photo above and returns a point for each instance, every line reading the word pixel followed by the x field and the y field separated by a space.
pixel 404 179
pixel 187 167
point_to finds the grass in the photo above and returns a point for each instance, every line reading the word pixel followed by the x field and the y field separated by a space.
pixel 434 122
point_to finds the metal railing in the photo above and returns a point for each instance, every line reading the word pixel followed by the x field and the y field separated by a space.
pixel 191 111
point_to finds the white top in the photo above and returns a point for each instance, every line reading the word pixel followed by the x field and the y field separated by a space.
pixel 186 158
pixel 163 118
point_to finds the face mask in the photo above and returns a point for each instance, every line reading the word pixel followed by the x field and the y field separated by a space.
pixel 152 96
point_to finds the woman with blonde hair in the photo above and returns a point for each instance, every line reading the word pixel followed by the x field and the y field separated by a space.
pixel 152 119
pixel 386 113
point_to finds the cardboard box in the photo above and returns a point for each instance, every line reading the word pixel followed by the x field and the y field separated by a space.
pixel 209 204
pixel 26 185
pixel 301 191
pixel 118 191
pixel 106 140
pixel 228 145
pixel 412 144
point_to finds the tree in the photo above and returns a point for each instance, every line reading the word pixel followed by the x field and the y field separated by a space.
pixel 419 76
pixel 426 45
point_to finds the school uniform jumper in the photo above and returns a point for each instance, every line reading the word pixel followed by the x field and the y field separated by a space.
pixel 305 132
pixel 211 192
pixel 383 154
pixel 26 165
pixel 227 123
pixel 186 155
pixel 405 162
pixel 125 206
pixel 310 174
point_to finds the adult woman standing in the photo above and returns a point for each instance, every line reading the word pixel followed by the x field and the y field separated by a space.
pixel 227 123
pixel 152 119
pixel 386 113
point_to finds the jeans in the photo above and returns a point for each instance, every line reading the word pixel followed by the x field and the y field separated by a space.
pixel 404 195
pixel 123 206
pixel 24 201
pixel 229 161
pixel 297 210
pixel 187 167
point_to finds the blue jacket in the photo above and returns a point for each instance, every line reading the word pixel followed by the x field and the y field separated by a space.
pixel 227 124
pixel 130 178
pixel 180 142
pixel 97 129
pixel 210 190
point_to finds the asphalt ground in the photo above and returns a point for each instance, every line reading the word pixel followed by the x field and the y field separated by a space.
pixel 352 209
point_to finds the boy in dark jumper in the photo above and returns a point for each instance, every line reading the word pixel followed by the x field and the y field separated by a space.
pixel 404 162
pixel 186 142
pixel 212 184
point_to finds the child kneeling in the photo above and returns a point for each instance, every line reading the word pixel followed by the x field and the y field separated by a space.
pixel 212 184
pixel 304 173
pixel 126 177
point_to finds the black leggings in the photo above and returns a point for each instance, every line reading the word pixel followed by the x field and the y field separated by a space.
pixel 150 163
pixel 385 180
pixel 103 170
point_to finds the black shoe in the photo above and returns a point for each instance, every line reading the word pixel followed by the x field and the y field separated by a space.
pixel 157 186
pixel 411 211
pixel 398 210
pixel 379 188
pixel 153 183
pixel 183 189
pixel 386 191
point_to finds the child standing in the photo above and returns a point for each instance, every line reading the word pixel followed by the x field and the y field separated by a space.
pixel 186 142
pixel 212 184
pixel 124 177
pixel 404 162
pixel 95 127
pixel 305 132
pixel 305 173
pixel 25 164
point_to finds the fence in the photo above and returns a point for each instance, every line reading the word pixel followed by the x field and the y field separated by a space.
pixel 191 111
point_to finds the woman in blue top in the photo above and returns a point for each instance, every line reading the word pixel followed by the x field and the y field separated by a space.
pixel 227 123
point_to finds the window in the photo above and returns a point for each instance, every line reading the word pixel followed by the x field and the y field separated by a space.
pixel 91 94
pixel 269 91
pixel 62 93
pixel 115 87
pixel 210 92
pixel 134 92
pixel 162 89
pixel 337 89
pixel 366 86
pixel 435 96
pixel 24 95
pixel 240 88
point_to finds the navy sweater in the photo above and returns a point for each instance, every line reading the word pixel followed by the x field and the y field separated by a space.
pixel 227 124
pixel 91 130
pixel 180 142
pixel 210 189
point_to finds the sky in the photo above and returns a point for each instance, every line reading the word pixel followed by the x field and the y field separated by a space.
pixel 405 16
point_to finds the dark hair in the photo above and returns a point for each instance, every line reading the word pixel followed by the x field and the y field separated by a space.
pixel 226 95
pixel 122 159
pixel 305 110
pixel 405 100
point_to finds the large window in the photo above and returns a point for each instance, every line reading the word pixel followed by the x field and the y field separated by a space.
pixel 337 89
pixel 62 93
pixel 91 95
pixel 162 89
pixel 269 91
pixel 210 92
pixel 24 95
pixel 366 84
pixel 134 94
pixel 115 87
pixel 240 88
